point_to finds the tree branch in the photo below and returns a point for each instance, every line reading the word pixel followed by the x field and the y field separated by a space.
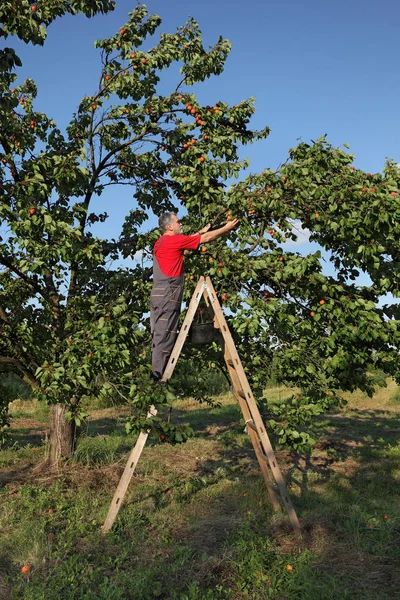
pixel 7 263
pixel 18 368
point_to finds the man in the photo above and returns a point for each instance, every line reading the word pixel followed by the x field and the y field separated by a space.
pixel 168 281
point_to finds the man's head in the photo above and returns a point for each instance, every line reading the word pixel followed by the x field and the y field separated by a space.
pixel 169 224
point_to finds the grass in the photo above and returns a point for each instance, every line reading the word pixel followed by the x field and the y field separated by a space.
pixel 196 523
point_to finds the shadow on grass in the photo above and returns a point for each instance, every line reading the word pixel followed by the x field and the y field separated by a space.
pixel 358 433
pixel 105 425
pixel 31 436
pixel 355 457
pixel 209 421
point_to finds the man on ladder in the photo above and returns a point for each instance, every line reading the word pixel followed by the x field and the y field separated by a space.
pixel 168 282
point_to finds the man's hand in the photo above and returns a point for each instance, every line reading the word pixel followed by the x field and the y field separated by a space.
pixel 231 224
pixel 205 229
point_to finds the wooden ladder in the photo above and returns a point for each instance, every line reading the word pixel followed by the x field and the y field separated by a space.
pixel 255 426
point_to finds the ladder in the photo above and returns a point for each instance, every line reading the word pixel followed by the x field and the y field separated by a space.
pixel 254 423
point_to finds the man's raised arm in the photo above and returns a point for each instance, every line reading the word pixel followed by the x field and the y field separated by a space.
pixel 209 236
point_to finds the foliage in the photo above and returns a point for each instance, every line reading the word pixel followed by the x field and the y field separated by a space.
pixel 321 333
pixel 28 21
pixel 69 327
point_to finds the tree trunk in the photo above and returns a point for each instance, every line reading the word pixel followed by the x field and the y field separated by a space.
pixel 62 435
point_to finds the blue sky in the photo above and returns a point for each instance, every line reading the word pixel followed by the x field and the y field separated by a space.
pixel 313 67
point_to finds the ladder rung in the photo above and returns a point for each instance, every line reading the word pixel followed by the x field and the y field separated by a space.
pixel 241 393
pixel 251 425
pixel 263 456
pixel 230 362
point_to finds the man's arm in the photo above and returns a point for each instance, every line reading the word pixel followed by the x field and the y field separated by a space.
pixel 213 235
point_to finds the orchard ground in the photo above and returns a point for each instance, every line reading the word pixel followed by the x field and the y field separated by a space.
pixel 196 522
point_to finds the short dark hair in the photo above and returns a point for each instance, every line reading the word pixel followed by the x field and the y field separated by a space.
pixel 165 220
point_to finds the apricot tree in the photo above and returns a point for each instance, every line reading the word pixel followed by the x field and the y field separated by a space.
pixel 75 323
pixel 71 319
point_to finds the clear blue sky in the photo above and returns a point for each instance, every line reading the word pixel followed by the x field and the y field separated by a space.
pixel 313 67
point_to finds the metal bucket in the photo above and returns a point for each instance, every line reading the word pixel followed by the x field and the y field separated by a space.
pixel 202 333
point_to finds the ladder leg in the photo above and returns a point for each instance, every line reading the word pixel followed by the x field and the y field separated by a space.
pixel 264 468
pixel 248 397
pixel 246 415
pixel 253 437
pixel 126 477
pixel 141 441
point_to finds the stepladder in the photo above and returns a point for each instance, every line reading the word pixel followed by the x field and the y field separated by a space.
pixel 273 478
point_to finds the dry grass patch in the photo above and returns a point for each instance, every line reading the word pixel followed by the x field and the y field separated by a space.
pixel 380 400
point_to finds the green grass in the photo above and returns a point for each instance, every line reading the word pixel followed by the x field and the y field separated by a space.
pixel 196 523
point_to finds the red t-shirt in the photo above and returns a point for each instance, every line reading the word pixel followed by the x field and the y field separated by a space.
pixel 169 252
